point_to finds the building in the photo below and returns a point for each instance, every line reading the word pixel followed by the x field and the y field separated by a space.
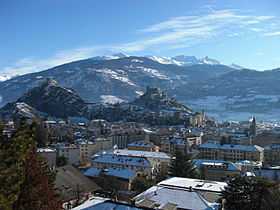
pixel 89 148
pixel 99 203
pixel 109 160
pixel 49 155
pixel 253 127
pixel 182 193
pixel 143 146
pixel 159 160
pixel 121 178
pixel 230 152
pixel 174 144
pixel 121 140
pixel 272 155
pixel 217 170
pixel 70 151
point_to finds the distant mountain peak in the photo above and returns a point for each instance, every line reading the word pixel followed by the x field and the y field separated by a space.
pixel 209 61
pixel 110 57
pixel 120 55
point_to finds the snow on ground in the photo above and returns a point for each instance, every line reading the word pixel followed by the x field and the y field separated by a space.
pixel 139 93
pixel 165 60
pixel 136 61
pixel 109 99
pixel 4 78
pixel 115 75
pixel 153 72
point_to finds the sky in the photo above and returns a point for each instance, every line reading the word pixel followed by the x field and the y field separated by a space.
pixel 39 34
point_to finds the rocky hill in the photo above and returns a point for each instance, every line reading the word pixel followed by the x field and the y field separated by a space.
pixel 156 100
pixel 52 99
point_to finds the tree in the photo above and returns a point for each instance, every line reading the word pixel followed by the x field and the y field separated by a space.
pixel 26 182
pixel 61 161
pixel 182 166
pixel 12 155
pixel 37 189
pixel 141 183
pixel 251 193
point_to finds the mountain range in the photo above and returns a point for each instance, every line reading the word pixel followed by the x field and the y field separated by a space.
pixel 204 83
pixel 49 99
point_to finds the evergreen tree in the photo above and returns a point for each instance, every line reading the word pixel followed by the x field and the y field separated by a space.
pixel 37 189
pixel 141 183
pixel 182 166
pixel 26 183
pixel 251 193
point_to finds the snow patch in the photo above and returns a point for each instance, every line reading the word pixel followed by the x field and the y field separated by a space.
pixel 109 99
pixel 153 72
pixel 139 92
pixel 4 78
pixel 136 61
pixel 115 75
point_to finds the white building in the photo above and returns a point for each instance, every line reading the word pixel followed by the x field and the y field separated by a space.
pixel 182 193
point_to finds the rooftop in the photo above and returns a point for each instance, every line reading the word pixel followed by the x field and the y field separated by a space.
pixel 247 148
pixel 196 184
pixel 138 153
pixel 97 203
pixel 116 172
pixel 120 160
pixel 229 165
pixel 164 196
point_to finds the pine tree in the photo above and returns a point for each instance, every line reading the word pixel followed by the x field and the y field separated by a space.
pixel 26 182
pixel 182 166
pixel 37 189
pixel 251 193
pixel 12 155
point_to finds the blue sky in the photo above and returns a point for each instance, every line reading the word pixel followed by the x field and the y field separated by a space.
pixel 36 34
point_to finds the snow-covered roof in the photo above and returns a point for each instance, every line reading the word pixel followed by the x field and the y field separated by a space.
pixel 120 160
pixel 183 199
pixel 196 184
pixel 97 203
pixel 90 202
pixel 138 153
pixel 229 165
pixel 247 148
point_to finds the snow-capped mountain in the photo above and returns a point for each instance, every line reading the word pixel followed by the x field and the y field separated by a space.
pixel 110 57
pixel 209 61
pixel 183 60
pixel 4 78
pixel 123 77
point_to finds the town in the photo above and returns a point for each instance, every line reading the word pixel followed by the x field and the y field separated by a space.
pixel 185 164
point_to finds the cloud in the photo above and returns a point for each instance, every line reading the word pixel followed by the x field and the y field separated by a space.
pixel 33 64
pixel 174 33
pixel 275 33
pixel 185 30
